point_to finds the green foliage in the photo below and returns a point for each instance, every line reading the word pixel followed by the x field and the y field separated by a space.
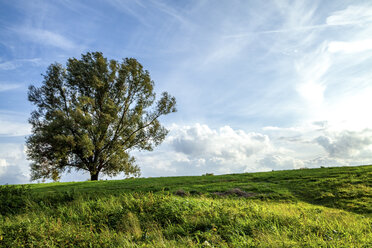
pixel 91 114
pixel 13 199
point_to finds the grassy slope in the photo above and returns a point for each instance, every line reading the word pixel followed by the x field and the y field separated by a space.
pixel 329 207
pixel 347 188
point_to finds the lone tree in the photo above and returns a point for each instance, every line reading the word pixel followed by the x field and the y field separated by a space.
pixel 91 114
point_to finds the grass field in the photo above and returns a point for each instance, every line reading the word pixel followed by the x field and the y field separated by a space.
pixel 326 207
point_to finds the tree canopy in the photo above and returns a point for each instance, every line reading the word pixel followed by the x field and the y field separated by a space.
pixel 91 114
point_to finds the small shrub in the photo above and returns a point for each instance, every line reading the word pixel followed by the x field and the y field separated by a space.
pixel 208 174
pixel 180 192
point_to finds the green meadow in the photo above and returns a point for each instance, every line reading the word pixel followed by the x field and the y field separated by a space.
pixel 325 207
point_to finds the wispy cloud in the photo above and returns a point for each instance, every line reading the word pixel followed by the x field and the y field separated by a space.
pixel 353 14
pixel 46 37
pixel 319 57
pixel 9 65
pixel 7 86
pixel 170 11
pixel 131 8
pixel 16 63
pixel 10 128
pixel 146 12
pixel 298 29
pixel 299 17
pixel 13 124
pixel 311 68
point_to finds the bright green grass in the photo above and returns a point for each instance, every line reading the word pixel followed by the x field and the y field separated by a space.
pixel 148 220
pixel 348 188
pixel 329 207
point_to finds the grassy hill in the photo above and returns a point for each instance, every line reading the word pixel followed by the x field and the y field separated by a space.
pixel 327 207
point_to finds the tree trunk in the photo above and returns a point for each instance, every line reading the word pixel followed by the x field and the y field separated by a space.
pixel 93 176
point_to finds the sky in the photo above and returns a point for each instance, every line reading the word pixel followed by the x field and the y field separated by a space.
pixel 260 85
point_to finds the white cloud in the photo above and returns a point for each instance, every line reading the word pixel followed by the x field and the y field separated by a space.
pixel 311 69
pixel 291 129
pixel 281 162
pixel 329 162
pixel 322 143
pixel 347 144
pixel 224 145
pixel 312 92
pixel 198 149
pixel 350 47
pixel 332 75
pixel 14 168
pixel 3 164
pixel 349 110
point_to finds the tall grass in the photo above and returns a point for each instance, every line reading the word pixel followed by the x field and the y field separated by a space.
pixel 164 220
pixel 348 188
pixel 328 207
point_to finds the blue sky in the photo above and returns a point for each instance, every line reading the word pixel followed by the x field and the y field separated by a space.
pixel 260 85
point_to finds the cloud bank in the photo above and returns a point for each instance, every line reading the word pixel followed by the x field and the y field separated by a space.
pixel 198 149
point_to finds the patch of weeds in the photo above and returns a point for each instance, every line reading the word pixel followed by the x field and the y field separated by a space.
pixel 195 193
pixel 56 198
pixel 235 192
pixel 13 199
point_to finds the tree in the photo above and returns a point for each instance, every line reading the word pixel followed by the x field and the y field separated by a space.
pixel 91 114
